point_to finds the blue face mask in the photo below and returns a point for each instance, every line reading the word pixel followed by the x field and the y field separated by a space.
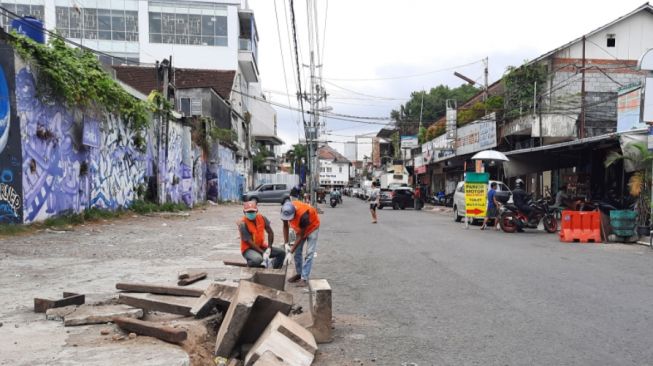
pixel 250 215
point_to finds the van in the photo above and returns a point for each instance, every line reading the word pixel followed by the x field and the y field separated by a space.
pixel 459 198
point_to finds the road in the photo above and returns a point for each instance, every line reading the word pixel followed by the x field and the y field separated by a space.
pixel 419 289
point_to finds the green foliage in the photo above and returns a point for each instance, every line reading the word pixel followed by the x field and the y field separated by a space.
pixel 421 135
pixel 144 207
pixel 223 134
pixel 435 130
pixel 434 105
pixel 295 155
pixel 519 83
pixel 396 145
pixel 258 160
pixel 76 77
pixel 639 183
pixel 479 109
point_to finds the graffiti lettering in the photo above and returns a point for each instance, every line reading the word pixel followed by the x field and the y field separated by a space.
pixel 8 194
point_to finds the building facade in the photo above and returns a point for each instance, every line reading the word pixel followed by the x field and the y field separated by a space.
pixel 334 168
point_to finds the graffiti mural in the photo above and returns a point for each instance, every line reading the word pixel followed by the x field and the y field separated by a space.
pixel 199 174
pixel 62 170
pixel 11 186
pixel 224 183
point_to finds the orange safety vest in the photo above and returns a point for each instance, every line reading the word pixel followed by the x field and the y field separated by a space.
pixel 256 229
pixel 300 210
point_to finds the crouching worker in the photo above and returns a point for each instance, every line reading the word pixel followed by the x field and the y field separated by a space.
pixel 303 219
pixel 253 247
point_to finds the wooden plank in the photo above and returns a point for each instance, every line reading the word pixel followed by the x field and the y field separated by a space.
pixel 166 304
pixel 162 332
pixel 183 274
pixel 235 263
pixel 41 305
pixel 159 289
pixel 192 279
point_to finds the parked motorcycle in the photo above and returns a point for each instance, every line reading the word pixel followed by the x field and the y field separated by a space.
pixel 511 219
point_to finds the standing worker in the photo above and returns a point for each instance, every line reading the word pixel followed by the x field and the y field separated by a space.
pixel 252 230
pixel 304 220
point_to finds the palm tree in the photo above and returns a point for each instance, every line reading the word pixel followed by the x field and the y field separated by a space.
pixel 641 159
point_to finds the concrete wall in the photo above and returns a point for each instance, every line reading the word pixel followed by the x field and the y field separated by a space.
pixel 224 181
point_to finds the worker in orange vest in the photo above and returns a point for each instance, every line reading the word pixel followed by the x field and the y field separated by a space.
pixel 252 228
pixel 303 219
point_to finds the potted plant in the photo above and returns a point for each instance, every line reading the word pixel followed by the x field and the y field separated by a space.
pixel 638 160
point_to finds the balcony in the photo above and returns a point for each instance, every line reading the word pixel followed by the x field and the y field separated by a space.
pixel 247 46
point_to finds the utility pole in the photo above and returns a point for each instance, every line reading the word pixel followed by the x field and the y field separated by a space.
pixel 581 132
pixel 485 75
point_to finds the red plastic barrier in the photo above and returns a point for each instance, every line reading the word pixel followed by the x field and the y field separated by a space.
pixel 582 226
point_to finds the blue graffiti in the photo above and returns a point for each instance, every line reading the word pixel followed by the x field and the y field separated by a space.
pixel 7 176
pixel 5 112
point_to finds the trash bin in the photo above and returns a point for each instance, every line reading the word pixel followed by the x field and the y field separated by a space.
pixel 623 222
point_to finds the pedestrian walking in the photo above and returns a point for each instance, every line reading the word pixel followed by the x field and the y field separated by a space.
pixel 255 250
pixel 492 208
pixel 375 200
pixel 304 220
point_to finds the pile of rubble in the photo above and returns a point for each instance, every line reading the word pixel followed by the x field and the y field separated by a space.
pixel 253 321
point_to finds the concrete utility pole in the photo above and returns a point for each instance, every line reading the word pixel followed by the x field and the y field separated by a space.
pixel 316 95
pixel 581 132
pixel 164 67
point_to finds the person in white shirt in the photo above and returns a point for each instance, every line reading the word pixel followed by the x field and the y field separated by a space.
pixel 375 199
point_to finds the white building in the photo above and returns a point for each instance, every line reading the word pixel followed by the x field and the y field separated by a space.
pixel 350 150
pixel 201 34
pixel 334 168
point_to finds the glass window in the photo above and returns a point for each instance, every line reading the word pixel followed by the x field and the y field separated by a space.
pixel 104 24
pixel 204 24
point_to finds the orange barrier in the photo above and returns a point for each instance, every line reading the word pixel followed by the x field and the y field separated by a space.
pixel 581 226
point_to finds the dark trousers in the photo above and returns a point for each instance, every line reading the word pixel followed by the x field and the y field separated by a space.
pixel 255 259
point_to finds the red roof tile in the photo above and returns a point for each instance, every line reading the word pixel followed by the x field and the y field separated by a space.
pixel 143 79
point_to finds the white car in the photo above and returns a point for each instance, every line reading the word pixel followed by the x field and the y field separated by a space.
pixel 459 198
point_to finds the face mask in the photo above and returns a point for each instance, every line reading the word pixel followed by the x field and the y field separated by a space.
pixel 250 215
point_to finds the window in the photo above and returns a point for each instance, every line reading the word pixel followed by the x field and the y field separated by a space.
pixel 32 8
pixel 103 24
pixel 611 40
pixel 339 169
pixel 267 188
pixel 280 187
pixel 197 24
pixel 328 170
pixel 190 106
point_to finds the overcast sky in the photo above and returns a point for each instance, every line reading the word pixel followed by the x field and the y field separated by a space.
pixel 376 39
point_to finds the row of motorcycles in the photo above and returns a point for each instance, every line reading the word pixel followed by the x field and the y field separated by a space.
pixel 512 219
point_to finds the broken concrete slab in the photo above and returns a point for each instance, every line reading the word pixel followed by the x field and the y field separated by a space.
pixel 235 263
pixel 215 296
pixel 41 305
pixel 159 289
pixel 151 329
pixel 275 278
pixel 283 326
pixel 168 304
pixel 269 359
pixel 252 309
pixel 321 310
pixel 59 313
pixel 87 314
pixel 191 279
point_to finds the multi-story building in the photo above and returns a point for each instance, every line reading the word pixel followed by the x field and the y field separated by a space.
pixel 334 168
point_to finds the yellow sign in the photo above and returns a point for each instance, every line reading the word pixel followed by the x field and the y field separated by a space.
pixel 475 199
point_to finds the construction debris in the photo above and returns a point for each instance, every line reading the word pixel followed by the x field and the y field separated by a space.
pixel 167 304
pixel 159 289
pixel 275 278
pixel 69 298
pixel 162 332
pixel 289 341
pixel 192 279
pixel 235 263
pixel 100 314
pixel 321 310
pixel 252 309
pixel 215 296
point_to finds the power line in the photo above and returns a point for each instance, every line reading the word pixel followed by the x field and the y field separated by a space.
pixel 283 61
pixel 299 79
pixel 363 94
pixel 406 76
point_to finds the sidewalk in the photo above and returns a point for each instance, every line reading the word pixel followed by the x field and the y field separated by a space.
pixel 90 259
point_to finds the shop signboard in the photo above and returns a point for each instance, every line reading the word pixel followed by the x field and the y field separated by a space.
pixel 477 136
pixel 409 142
pixel 629 109
pixel 476 194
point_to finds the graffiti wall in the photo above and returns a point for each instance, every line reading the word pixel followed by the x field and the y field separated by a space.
pixel 11 191
pixel 72 161
pixel 223 180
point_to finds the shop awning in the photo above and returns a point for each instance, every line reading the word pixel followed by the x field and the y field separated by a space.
pixel 554 156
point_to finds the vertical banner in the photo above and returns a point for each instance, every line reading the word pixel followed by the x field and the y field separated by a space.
pixel 476 194
pixel 11 178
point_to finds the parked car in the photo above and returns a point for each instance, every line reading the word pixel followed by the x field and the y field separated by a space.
pixel 459 198
pixel 398 198
pixel 269 193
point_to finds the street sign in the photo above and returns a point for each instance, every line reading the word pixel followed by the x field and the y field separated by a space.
pixel 476 194
pixel 409 142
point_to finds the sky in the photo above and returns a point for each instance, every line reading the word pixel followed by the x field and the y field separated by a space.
pixel 373 49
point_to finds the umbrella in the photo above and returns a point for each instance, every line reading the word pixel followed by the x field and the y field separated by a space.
pixel 491 155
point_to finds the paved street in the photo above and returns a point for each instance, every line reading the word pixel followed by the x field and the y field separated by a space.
pixel 418 288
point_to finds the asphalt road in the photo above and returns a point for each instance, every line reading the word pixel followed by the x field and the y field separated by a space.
pixel 419 289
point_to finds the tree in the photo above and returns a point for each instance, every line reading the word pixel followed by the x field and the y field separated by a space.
pixel 297 157
pixel 639 184
pixel 434 108
pixel 258 161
